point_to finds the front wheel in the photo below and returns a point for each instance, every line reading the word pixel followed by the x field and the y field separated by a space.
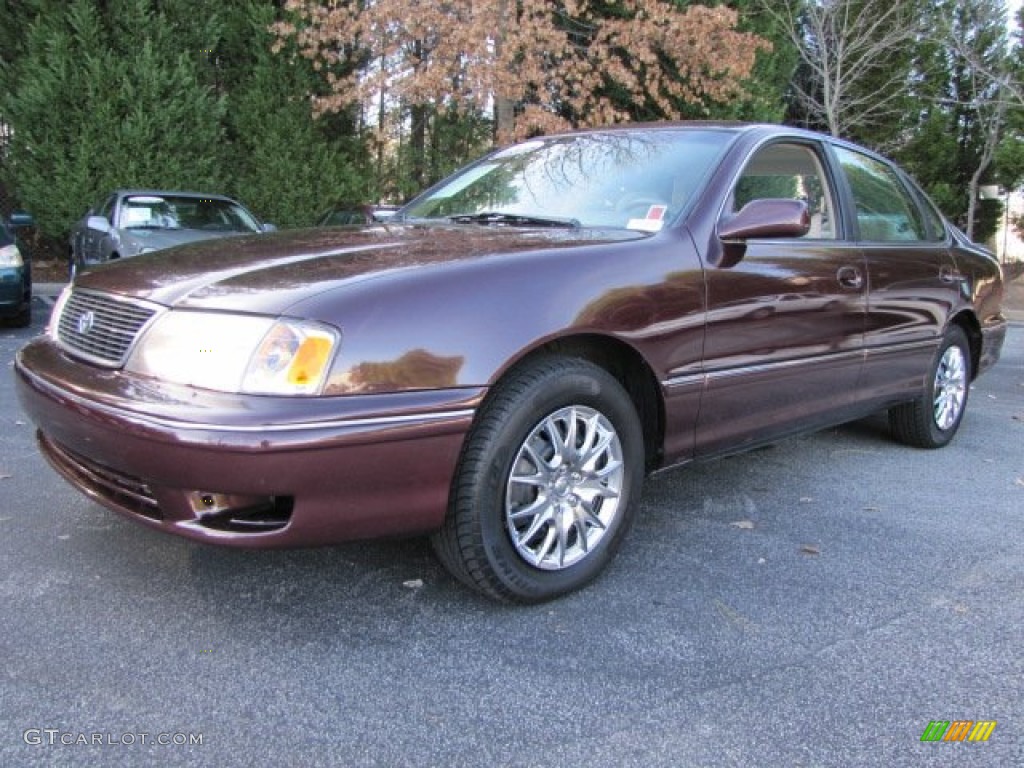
pixel 547 484
pixel 932 419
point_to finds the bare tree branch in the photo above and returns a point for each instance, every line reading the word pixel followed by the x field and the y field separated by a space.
pixel 840 44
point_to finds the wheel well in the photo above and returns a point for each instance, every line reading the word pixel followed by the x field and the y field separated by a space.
pixel 625 364
pixel 970 326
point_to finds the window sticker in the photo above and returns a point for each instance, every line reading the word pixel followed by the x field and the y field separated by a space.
pixel 652 222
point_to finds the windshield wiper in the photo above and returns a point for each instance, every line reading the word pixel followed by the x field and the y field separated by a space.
pixel 496 218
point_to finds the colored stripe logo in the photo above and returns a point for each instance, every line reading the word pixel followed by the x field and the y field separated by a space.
pixel 958 730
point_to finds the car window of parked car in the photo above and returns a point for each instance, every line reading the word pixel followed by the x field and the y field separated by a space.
pixel 185 212
pixel 886 212
pixel 794 172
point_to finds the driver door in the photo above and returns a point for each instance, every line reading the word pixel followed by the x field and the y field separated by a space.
pixel 785 323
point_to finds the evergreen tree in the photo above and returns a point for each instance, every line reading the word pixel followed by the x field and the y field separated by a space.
pixel 100 105
pixel 283 162
pixel 957 130
pixel 176 94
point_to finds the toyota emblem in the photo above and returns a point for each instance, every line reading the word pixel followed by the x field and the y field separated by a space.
pixel 86 321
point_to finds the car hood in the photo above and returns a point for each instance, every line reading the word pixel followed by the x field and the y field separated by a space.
pixel 159 239
pixel 269 273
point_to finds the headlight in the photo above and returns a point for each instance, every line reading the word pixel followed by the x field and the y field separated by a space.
pixel 236 353
pixel 10 256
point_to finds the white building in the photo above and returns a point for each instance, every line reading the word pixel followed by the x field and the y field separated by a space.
pixel 1007 242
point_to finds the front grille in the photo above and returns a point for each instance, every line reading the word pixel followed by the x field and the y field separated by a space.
pixel 116 488
pixel 101 328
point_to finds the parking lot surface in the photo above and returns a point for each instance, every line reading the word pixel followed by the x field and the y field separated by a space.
pixel 816 603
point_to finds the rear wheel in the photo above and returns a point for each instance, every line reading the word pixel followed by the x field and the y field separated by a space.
pixel 547 483
pixel 932 419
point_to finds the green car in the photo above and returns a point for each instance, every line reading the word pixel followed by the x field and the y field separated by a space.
pixel 15 274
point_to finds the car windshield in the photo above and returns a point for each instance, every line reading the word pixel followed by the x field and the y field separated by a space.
pixel 635 180
pixel 185 212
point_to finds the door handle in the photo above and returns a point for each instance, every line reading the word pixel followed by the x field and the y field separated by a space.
pixel 949 274
pixel 850 277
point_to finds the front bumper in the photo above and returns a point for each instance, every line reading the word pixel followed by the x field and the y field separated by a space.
pixel 242 470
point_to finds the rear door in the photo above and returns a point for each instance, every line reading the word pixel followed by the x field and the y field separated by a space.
pixel 913 283
pixel 785 324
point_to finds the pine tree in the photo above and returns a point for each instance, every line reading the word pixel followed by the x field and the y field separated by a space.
pixel 102 105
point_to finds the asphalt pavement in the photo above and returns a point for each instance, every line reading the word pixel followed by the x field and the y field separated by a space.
pixel 816 603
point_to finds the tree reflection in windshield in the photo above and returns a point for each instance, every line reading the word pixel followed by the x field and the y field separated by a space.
pixel 636 181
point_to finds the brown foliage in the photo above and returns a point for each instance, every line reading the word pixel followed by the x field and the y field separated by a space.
pixel 550 59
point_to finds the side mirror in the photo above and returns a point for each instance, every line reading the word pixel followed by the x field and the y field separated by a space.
pixel 769 217
pixel 99 223
pixel 268 227
pixel 21 220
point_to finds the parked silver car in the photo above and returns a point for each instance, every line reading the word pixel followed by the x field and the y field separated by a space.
pixel 133 221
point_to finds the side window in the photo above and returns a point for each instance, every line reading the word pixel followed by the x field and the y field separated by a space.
pixel 936 225
pixel 886 213
pixel 789 171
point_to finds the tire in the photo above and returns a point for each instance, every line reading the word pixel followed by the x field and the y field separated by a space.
pixel 932 419
pixel 529 517
pixel 23 319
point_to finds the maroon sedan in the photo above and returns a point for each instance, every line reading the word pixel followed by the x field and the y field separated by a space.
pixel 501 363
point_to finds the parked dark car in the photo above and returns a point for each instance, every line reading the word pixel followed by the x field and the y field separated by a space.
pixel 15 273
pixel 502 364
pixel 351 215
pixel 130 222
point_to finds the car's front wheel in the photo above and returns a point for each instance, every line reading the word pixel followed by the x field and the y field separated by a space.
pixel 932 419
pixel 547 484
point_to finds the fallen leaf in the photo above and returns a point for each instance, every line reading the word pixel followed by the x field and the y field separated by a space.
pixel 20 423
pixel 413 583
pixel 761 561
pixel 810 549
pixel 872 509
pixel 6 477
pixel 1020 481
pixel 746 525
pixel 733 615
pixel 64 536
pixel 806 499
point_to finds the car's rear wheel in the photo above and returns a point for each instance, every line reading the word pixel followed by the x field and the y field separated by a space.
pixel 547 484
pixel 932 419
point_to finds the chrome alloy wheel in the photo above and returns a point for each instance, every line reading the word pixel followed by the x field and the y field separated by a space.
pixel 950 390
pixel 565 488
